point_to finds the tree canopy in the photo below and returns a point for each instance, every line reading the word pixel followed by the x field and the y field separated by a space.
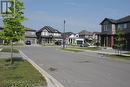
pixel 13 28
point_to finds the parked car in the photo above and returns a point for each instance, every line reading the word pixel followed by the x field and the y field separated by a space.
pixel 84 45
pixel 58 43
pixel 28 42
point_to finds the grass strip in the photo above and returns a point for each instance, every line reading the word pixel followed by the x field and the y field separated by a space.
pixel 73 50
pixel 89 48
pixel 9 50
pixel 20 74
pixel 120 57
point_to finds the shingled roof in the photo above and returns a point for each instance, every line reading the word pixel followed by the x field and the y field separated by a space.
pixel 110 20
pixel 49 29
pixel 122 20
pixel 84 32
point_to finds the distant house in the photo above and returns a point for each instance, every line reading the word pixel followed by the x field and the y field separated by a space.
pixel 74 39
pixel 96 38
pixel 67 34
pixel 30 35
pixel 87 36
pixel 48 35
pixel 109 28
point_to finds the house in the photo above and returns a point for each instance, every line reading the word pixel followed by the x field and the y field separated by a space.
pixel 48 35
pixel 30 35
pixel 87 36
pixel 109 28
pixel 96 38
pixel 74 39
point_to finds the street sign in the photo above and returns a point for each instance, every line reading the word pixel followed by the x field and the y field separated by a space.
pixel 7 8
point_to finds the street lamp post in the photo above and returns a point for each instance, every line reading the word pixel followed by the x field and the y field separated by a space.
pixel 64 35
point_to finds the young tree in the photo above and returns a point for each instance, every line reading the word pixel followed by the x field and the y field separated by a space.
pixel 119 40
pixel 13 28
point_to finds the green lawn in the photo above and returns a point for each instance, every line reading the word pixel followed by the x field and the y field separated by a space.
pixel 81 49
pixel 89 48
pixel 128 53
pixel 20 74
pixel 120 57
pixel 9 50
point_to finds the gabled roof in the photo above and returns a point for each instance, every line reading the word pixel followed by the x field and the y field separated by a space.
pixel 122 20
pixel 49 29
pixel 84 32
pixel 67 34
pixel 29 29
pixel 110 20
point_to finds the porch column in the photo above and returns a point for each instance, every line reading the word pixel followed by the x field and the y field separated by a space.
pixel 112 41
pixel 107 42
pixel 104 41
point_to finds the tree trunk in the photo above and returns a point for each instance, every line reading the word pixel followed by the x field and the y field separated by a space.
pixel 12 52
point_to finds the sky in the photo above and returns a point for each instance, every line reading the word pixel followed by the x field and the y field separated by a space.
pixel 78 14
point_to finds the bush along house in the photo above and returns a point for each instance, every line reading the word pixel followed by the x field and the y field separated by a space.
pixel 109 28
pixel 48 36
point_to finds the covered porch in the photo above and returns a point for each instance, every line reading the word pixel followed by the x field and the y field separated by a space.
pixel 107 40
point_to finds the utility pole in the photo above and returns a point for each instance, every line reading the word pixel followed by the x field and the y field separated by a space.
pixel 64 35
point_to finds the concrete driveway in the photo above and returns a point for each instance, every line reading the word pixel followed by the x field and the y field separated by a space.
pixel 83 69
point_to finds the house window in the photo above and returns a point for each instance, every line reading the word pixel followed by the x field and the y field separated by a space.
pixel 122 26
pixel 44 33
pixel 125 25
pixel 105 27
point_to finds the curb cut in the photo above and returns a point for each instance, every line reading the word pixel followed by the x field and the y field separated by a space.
pixel 51 82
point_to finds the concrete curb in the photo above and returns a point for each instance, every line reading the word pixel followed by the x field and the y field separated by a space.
pixel 106 53
pixel 51 82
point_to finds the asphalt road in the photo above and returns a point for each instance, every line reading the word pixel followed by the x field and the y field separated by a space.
pixel 82 69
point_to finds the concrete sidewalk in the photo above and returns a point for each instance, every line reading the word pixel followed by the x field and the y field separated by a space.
pixel 112 52
pixel 7 55
pixel 108 51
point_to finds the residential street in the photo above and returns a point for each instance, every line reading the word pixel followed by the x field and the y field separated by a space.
pixel 80 69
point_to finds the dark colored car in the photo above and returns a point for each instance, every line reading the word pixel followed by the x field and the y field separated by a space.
pixel 28 42
pixel 58 43
pixel 84 45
